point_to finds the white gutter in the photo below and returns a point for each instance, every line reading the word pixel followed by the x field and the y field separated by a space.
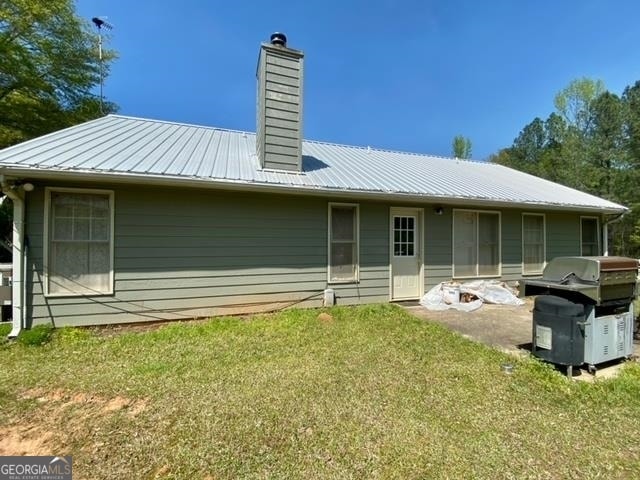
pixel 254 186
pixel 17 290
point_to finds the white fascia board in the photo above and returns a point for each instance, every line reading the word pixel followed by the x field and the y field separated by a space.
pixel 226 184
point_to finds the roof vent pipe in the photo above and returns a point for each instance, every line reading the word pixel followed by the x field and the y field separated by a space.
pixel 279 39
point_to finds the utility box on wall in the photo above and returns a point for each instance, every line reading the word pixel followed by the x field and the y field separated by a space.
pixel 6 273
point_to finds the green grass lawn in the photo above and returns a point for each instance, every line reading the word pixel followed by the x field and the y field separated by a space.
pixel 373 393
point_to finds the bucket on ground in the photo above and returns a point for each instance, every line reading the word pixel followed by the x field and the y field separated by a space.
pixel 451 293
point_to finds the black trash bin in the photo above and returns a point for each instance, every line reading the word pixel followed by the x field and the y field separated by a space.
pixel 558 330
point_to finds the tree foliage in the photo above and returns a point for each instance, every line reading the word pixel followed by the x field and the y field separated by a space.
pixel 48 68
pixel 574 102
pixel 591 142
pixel 461 147
pixel 6 228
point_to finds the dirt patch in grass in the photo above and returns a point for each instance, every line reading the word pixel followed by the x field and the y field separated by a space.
pixel 25 440
pixel 325 318
pixel 109 331
pixel 91 402
pixel 61 416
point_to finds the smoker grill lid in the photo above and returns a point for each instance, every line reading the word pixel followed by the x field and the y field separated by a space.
pixel 601 279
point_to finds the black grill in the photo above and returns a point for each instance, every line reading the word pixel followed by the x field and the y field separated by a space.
pixel 584 310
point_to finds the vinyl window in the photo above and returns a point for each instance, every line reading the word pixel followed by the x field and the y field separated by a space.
pixel 476 244
pixel 533 243
pixel 79 248
pixel 343 243
pixel 589 236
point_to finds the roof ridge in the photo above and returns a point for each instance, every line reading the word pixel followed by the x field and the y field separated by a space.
pixel 389 150
pixel 181 124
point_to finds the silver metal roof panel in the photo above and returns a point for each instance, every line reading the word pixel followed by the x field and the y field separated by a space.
pixel 133 147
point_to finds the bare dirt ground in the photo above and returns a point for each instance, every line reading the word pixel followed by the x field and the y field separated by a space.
pixel 54 425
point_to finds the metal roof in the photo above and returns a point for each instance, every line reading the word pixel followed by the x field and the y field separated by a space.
pixel 150 150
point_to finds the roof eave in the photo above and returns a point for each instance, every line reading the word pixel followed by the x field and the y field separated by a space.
pixel 228 184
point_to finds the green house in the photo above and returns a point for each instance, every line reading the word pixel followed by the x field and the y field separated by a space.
pixel 125 219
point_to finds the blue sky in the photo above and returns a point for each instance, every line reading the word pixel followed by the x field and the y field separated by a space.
pixel 389 74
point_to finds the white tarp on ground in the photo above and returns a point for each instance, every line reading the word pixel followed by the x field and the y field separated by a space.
pixel 486 291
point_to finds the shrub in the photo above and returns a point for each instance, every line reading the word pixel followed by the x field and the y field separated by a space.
pixel 38 335
pixel 72 334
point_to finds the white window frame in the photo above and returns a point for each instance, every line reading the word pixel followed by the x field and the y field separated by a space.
pixel 453 243
pixel 544 242
pixel 47 239
pixel 598 232
pixel 356 278
pixel 416 232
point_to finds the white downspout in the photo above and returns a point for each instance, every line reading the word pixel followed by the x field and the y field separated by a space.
pixel 605 232
pixel 18 249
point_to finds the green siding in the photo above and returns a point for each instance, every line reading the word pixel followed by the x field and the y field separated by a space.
pixel 374 258
pixel 198 253
pixel 184 253
pixel 563 235
pixel 511 245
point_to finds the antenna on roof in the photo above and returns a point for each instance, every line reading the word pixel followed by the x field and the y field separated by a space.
pixel 100 23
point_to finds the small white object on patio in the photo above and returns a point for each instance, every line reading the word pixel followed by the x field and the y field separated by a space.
pixel 487 291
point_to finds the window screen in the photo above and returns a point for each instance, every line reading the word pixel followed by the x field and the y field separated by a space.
pixel 590 237
pixel 79 260
pixel 343 244
pixel 465 228
pixel 476 248
pixel 532 243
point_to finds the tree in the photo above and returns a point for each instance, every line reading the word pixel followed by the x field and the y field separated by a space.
pixel 538 148
pixel 550 162
pixel 574 102
pixel 592 142
pixel 49 66
pixel 529 144
pixel 607 138
pixel 631 99
pixel 461 147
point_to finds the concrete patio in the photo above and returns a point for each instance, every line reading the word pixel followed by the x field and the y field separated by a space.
pixel 505 327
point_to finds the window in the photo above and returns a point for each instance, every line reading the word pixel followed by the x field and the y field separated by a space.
pixel 533 243
pixel 590 236
pixel 343 243
pixel 404 235
pixel 79 235
pixel 476 247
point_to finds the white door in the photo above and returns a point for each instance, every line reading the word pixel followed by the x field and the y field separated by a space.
pixel 406 253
